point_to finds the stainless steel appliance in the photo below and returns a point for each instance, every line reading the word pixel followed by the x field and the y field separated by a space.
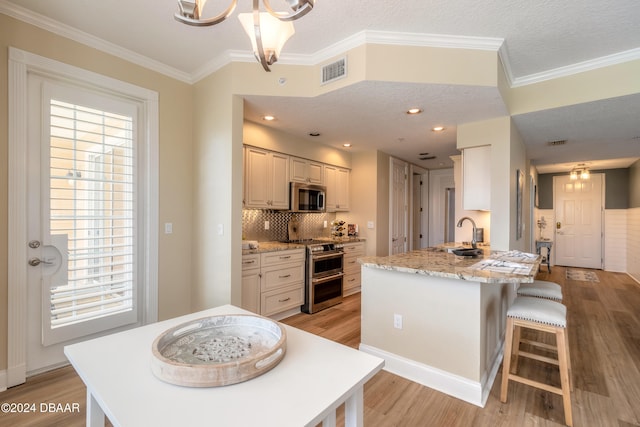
pixel 324 281
pixel 307 197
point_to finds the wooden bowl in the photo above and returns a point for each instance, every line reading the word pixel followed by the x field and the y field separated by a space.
pixel 218 350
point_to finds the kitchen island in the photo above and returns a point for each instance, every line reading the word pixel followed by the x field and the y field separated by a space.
pixel 439 319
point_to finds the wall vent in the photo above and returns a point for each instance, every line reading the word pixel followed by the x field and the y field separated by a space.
pixel 558 142
pixel 334 71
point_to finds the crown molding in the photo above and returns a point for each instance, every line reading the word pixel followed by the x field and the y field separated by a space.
pixel 580 67
pixel 48 24
pixel 364 37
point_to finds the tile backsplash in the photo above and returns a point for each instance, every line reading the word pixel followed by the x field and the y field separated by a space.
pixel 310 224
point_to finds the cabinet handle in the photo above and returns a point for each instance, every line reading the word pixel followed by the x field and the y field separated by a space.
pixel 285 276
pixel 284 300
pixel 285 257
pixel 352 280
pixel 352 262
pixel 249 262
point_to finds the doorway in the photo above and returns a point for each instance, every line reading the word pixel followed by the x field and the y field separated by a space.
pixel 398 213
pixel 419 225
pixel 83 210
pixel 579 208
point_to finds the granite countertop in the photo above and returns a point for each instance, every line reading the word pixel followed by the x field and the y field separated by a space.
pixel 272 247
pixel 491 267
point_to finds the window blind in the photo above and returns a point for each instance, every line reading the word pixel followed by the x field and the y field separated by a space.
pixel 91 201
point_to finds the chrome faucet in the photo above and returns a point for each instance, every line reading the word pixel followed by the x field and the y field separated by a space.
pixel 473 239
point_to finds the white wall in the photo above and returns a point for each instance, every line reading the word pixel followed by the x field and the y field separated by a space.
pixel 615 240
pixel 633 243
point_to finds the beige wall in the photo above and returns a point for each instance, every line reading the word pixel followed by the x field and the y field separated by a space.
pixel 175 152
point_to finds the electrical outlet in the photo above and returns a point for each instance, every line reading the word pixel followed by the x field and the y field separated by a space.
pixel 369 224
pixel 324 224
pixel 168 228
pixel 266 225
pixel 220 230
pixel 397 321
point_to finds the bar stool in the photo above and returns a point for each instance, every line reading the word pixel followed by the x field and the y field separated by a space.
pixel 540 315
pixel 541 289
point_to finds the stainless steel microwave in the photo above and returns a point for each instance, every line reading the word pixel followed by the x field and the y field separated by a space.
pixel 307 197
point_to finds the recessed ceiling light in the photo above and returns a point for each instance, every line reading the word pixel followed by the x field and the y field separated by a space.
pixel 414 110
pixel 437 128
pixel 268 118
pixel 346 144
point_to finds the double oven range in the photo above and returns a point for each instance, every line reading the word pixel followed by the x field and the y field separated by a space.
pixel 324 275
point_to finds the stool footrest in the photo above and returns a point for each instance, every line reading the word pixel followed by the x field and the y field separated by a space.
pixel 538 357
pixel 537 384
pixel 549 347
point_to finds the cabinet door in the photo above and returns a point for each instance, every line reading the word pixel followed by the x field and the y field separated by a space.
pixel 330 173
pixel 342 189
pixel 279 175
pixel 476 178
pixel 257 185
pixel 251 290
pixel 298 170
pixel 315 173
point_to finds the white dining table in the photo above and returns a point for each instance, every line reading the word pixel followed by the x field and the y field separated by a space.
pixel 313 379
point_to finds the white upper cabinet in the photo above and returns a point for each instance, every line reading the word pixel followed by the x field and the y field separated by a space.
pixel 476 178
pixel 337 181
pixel 303 170
pixel 266 179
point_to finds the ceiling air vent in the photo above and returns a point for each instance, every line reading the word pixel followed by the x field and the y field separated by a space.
pixel 334 71
pixel 558 142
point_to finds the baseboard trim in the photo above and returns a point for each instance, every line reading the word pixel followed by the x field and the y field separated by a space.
pixel 3 380
pixel 459 387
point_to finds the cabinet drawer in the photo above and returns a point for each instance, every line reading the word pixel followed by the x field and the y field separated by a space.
pixel 351 265
pixel 282 275
pixel 351 283
pixel 283 299
pixel 250 261
pixel 353 248
pixel 279 257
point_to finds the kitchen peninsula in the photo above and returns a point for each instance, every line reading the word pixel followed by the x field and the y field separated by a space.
pixel 439 319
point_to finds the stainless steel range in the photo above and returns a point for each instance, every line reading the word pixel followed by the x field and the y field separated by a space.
pixel 323 287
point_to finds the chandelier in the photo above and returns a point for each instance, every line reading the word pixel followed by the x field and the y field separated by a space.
pixel 268 31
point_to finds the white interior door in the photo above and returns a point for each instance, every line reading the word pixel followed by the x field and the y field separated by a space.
pixel 578 208
pixel 83 267
pixel 398 206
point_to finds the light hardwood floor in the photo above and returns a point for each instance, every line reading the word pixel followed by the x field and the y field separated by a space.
pixel 604 329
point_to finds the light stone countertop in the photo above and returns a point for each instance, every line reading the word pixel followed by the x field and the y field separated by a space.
pixel 272 247
pixel 437 262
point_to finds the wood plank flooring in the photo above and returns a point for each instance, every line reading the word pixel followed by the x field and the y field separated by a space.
pixel 604 333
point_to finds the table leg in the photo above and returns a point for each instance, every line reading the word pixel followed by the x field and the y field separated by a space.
pixel 95 414
pixel 354 409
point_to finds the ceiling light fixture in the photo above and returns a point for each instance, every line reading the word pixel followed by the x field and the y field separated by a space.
pixel 346 144
pixel 268 118
pixel 268 31
pixel 412 111
pixel 437 128
pixel 579 172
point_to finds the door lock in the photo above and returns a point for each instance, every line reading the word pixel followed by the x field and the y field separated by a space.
pixel 558 225
pixel 33 262
pixel 34 244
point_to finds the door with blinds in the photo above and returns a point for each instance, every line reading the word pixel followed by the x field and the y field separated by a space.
pixel 83 216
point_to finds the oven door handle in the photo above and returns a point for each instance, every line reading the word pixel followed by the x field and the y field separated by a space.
pixel 326 278
pixel 335 254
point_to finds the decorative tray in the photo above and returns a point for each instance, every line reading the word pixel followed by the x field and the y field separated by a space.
pixel 218 350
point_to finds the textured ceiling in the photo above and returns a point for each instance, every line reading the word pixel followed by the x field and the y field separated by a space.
pixel 538 37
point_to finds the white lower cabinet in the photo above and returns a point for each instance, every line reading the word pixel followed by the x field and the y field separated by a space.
pixel 352 278
pixel 280 284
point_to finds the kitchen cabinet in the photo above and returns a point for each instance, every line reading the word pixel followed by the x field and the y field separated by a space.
pixel 476 178
pixel 337 181
pixel 352 275
pixel 273 282
pixel 266 179
pixel 281 281
pixel 303 170
pixel 251 283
